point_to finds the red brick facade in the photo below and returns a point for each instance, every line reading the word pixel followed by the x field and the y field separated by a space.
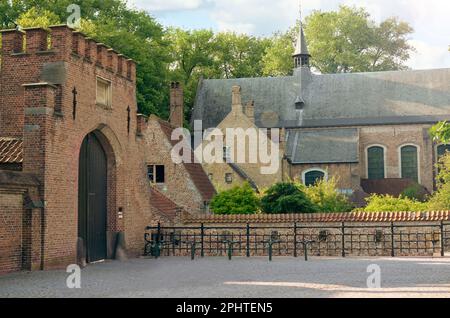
pixel 38 105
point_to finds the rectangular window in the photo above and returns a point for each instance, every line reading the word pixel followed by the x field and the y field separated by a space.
pixel 229 178
pixel 375 163
pixel 226 154
pixel 104 92
pixel 156 173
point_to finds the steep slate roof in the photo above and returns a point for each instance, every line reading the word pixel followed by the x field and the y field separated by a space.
pixel 336 146
pixel 11 150
pixel 301 48
pixel 195 170
pixel 333 99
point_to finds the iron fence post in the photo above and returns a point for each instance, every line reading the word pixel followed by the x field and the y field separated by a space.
pixel 295 240
pixel 158 234
pixel 343 239
pixel 305 248
pixel 270 251
pixel 392 240
pixel 202 240
pixel 193 251
pixel 248 240
pixel 442 239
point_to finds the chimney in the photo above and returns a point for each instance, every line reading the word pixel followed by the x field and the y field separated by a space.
pixel 176 105
pixel 236 101
pixel 250 110
pixel 142 122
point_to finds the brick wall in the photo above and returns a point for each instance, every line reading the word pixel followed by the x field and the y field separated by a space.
pixel 365 234
pixel 37 105
pixel 11 218
pixel 237 118
pixel 178 185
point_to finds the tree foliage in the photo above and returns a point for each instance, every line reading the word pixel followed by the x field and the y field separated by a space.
pixel 441 198
pixel 348 40
pixel 326 197
pixel 441 132
pixel 239 200
pixel 387 203
pixel 286 198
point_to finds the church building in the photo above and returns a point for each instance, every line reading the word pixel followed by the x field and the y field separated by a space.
pixel 368 130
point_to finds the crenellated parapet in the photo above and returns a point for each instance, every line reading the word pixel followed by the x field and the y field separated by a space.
pixel 63 42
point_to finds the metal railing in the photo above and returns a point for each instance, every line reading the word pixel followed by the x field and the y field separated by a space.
pixel 299 240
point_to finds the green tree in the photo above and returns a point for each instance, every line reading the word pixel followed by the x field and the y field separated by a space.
pixel 278 58
pixel 325 196
pixel 239 55
pixel 441 198
pixel 348 40
pixel 441 132
pixel 286 198
pixel 37 18
pixel 239 200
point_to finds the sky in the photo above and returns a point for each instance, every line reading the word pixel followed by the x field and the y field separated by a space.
pixel 429 18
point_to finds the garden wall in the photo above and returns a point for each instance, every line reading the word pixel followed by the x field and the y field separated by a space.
pixel 346 234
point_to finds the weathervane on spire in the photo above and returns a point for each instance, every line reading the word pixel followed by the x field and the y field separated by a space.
pixel 301 54
pixel 300 10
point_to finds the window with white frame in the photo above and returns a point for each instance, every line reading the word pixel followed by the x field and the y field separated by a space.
pixel 409 162
pixel 311 177
pixel 375 163
pixel 229 178
pixel 104 92
pixel 156 174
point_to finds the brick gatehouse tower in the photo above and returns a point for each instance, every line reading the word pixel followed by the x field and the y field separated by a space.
pixel 73 173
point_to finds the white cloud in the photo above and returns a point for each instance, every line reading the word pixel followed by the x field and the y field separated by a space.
pixel 429 56
pixel 166 5
pixel 258 17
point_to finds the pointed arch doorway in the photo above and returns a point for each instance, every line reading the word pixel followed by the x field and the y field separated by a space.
pixel 92 198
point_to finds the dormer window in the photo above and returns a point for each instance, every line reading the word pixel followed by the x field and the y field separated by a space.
pixel 299 103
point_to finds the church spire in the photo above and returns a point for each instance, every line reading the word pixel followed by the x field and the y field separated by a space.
pixel 301 54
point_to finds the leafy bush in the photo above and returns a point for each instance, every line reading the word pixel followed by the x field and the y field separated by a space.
pixel 387 203
pixel 325 196
pixel 415 192
pixel 441 198
pixel 286 198
pixel 239 200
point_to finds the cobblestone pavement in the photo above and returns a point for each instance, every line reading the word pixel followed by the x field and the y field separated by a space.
pixel 241 277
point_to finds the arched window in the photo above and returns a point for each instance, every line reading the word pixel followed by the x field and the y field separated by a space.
pixel 409 163
pixel 311 177
pixel 375 163
pixel 442 150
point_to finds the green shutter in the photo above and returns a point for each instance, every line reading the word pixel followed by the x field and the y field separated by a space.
pixel 410 166
pixel 312 177
pixel 375 162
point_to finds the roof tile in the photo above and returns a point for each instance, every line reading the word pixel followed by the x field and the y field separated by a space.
pixel 163 204
pixel 195 170
pixel 324 217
